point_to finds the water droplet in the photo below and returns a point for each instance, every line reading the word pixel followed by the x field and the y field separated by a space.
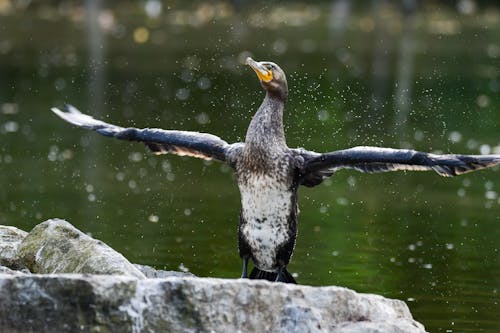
pixel 455 137
pixel 187 76
pixel 280 46
pixel 66 154
pixel 323 115
pixel 204 83
pixel 342 201
pixel 10 127
pixel 472 144
pixel 483 101
pixel 9 108
pixel 466 7
pixel 485 149
pixel 53 153
pixel 60 84
pixel 135 157
pixel 182 94
pixel 419 135
pixel 141 35
pixel 153 218
pixel 203 118
pixel 183 268
pixel 491 195
pixel 351 180
pixel 153 8
pixel 120 176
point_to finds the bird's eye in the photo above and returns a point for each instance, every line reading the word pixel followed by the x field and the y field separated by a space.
pixel 270 67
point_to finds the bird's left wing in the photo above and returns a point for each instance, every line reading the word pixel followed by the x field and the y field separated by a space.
pixel 374 159
pixel 183 143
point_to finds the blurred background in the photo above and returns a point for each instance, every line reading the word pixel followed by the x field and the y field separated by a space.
pixel 403 74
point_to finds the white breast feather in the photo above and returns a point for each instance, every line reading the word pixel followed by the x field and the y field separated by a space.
pixel 266 206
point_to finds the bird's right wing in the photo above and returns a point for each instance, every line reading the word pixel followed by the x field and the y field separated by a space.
pixel 315 166
pixel 182 143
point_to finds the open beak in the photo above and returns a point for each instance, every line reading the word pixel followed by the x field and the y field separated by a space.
pixel 262 72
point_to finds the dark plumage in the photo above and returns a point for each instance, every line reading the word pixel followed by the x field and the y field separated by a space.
pixel 269 173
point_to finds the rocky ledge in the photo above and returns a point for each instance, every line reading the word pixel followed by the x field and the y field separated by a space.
pixel 57 279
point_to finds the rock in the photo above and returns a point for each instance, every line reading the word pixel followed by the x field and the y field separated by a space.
pixel 152 273
pixel 7 270
pixel 55 246
pixel 10 238
pixel 103 303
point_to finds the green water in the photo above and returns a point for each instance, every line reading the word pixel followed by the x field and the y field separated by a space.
pixel 430 241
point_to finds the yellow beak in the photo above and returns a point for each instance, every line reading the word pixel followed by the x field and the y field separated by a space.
pixel 262 72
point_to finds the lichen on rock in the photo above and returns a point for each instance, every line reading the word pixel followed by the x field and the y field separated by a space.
pixel 55 246
pixel 10 238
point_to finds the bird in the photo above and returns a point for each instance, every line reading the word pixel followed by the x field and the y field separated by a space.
pixel 269 173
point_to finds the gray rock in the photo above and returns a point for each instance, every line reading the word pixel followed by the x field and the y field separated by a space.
pixel 55 246
pixel 152 273
pixel 10 238
pixel 93 303
pixel 7 270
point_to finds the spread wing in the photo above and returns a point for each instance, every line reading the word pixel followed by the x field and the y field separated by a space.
pixel 183 143
pixel 316 167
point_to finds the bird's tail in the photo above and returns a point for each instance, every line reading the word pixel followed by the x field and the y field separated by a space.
pixel 284 276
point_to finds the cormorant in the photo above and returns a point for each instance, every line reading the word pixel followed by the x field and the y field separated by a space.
pixel 269 173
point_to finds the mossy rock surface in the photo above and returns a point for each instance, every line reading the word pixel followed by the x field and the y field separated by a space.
pixel 10 238
pixel 55 246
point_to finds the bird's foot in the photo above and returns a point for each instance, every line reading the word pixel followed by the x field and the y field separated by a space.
pixel 244 273
pixel 278 275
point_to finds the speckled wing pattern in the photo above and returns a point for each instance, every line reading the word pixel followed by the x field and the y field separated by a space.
pixel 183 143
pixel 375 159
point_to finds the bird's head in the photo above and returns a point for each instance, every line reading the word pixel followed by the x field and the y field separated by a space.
pixel 271 77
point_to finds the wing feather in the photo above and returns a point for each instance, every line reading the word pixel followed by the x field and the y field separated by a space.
pixel 159 141
pixel 375 159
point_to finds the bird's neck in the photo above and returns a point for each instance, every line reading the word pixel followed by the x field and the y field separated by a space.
pixel 266 128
